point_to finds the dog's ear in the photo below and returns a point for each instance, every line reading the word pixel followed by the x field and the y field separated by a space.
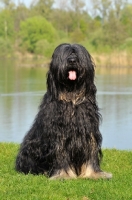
pixel 90 86
pixel 51 87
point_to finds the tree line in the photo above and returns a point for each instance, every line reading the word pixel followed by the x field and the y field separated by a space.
pixel 101 25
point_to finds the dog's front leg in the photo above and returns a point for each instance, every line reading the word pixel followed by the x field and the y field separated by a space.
pixel 91 169
pixel 64 174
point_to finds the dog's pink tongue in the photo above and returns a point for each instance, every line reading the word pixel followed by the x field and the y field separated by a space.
pixel 72 75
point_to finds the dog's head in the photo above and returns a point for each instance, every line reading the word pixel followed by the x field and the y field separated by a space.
pixel 71 68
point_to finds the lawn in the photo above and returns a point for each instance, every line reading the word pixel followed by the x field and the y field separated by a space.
pixel 16 186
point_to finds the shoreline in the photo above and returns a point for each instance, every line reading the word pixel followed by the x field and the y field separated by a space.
pixel 102 60
pixel 114 60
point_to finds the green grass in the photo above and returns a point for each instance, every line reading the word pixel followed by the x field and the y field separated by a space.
pixel 16 186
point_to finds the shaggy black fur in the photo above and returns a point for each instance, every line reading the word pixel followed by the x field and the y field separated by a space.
pixel 64 140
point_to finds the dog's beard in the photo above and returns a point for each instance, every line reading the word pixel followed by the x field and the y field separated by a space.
pixel 72 86
pixel 71 74
pixel 71 78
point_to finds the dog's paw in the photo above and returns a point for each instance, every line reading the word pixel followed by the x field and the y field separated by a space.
pixel 104 175
pixel 62 174
pixel 96 175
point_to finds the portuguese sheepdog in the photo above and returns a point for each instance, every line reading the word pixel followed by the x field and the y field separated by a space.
pixel 64 141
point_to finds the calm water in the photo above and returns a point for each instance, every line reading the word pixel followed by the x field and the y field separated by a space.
pixel 21 91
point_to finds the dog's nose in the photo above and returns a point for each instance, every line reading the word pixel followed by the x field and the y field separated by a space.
pixel 72 60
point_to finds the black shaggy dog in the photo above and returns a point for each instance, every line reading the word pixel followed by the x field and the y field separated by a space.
pixel 64 140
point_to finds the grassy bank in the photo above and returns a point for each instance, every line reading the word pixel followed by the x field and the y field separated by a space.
pixel 114 59
pixel 14 186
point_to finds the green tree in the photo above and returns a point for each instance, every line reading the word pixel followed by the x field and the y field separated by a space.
pixel 6 25
pixel 20 13
pixel 126 19
pixel 118 6
pixel 34 29
pixel 42 7
pixel 101 8
pixel 6 48
pixel 114 32
pixel 62 20
pixel 8 4
pixel 77 6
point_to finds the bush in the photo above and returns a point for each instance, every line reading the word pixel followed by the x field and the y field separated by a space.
pixel 43 47
pixel 127 45
pixel 36 29
pixel 5 47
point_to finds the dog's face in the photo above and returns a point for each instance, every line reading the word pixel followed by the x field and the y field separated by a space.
pixel 71 68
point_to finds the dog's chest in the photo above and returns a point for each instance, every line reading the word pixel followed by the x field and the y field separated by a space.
pixel 75 119
pixel 74 97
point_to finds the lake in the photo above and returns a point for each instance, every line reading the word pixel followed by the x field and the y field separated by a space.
pixel 22 88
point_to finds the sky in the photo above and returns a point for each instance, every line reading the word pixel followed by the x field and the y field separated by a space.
pixel 28 2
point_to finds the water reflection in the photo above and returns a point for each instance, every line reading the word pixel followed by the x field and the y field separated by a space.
pixel 115 97
pixel 117 118
pixel 21 90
